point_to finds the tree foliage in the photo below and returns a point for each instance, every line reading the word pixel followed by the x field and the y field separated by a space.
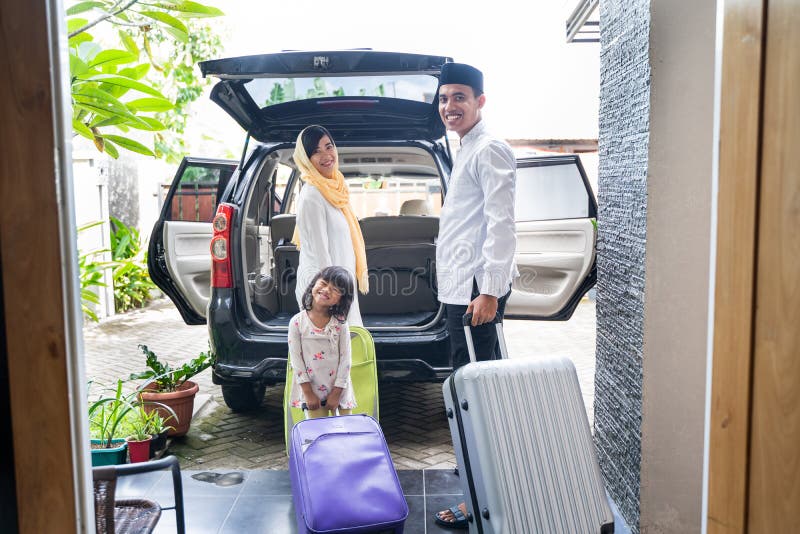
pixel 178 80
pixel 132 284
pixel 126 86
pixel 285 91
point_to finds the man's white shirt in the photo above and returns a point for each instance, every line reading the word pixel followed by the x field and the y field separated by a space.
pixel 476 227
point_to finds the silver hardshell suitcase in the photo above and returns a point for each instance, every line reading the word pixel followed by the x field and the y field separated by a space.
pixel 527 462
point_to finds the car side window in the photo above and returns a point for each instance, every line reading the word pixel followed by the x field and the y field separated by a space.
pixel 282 175
pixel 550 191
pixel 197 194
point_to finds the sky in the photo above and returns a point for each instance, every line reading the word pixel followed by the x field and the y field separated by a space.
pixel 537 85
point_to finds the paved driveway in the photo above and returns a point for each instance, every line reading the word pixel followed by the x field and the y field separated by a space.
pixel 412 415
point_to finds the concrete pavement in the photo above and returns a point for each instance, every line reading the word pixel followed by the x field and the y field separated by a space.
pixel 412 415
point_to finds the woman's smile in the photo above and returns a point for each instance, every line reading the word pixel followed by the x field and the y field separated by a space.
pixel 324 157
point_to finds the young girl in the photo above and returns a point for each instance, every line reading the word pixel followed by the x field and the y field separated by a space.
pixel 319 345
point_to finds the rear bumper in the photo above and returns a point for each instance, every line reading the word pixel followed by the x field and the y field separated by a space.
pixel 272 371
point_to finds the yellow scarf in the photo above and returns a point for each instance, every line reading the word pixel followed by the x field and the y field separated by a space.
pixel 337 194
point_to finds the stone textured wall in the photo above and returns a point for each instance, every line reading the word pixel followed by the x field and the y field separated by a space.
pixel 622 199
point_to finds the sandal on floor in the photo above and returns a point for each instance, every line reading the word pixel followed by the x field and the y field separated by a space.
pixel 459 520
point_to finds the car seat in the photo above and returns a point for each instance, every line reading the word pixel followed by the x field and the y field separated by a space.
pixel 415 206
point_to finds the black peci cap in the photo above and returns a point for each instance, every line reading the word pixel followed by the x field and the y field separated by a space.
pixel 463 74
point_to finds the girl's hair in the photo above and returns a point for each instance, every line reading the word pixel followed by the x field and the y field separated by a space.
pixel 339 278
pixel 311 136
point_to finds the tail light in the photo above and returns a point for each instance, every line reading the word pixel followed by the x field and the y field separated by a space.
pixel 221 272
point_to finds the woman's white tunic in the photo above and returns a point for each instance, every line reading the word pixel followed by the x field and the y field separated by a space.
pixel 324 241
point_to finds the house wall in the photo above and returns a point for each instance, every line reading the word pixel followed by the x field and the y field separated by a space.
pixel 677 263
pixel 123 189
pixel 622 217
pixel 128 189
pixel 90 186
pixel 656 132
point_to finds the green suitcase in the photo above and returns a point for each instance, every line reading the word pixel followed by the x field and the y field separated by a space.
pixel 363 377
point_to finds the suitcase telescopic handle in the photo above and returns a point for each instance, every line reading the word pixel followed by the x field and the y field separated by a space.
pixel 467 319
pixel 501 339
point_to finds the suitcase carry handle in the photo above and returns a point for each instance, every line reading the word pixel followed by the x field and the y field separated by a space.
pixel 304 407
pixel 501 339
pixel 467 319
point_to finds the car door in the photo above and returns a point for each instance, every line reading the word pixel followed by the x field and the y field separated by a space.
pixel 179 258
pixel 555 213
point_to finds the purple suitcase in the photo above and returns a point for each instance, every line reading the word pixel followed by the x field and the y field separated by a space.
pixel 343 478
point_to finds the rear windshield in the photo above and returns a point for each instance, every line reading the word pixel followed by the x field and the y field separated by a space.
pixel 269 91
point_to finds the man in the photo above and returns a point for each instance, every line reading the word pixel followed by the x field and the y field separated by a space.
pixel 475 248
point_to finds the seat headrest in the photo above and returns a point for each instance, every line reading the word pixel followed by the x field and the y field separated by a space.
pixel 415 206
pixel 282 227
pixel 411 229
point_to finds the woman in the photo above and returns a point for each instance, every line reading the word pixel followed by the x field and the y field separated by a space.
pixel 327 231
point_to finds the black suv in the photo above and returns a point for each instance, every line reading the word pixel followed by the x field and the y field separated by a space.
pixel 392 151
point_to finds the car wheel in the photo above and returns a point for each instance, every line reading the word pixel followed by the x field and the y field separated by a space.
pixel 243 398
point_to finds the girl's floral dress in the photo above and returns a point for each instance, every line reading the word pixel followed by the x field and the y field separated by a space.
pixel 320 356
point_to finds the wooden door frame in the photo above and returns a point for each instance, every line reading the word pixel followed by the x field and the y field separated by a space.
pixel 739 144
pixel 754 419
pixel 40 291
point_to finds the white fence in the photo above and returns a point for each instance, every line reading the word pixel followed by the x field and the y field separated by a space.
pixel 91 172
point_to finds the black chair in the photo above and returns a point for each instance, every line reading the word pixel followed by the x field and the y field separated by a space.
pixel 133 515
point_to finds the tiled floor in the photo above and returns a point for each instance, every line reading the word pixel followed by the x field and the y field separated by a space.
pixel 262 501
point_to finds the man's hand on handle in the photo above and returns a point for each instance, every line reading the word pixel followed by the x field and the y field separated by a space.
pixel 483 309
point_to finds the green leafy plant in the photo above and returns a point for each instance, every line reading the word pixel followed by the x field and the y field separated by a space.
pixel 108 416
pixel 285 91
pixel 165 376
pixel 157 424
pixel 91 272
pixel 131 280
pixel 111 92
pixel 140 423
pixel 145 420
pixel 132 283
pixel 117 415
pixel 91 275
pixel 179 81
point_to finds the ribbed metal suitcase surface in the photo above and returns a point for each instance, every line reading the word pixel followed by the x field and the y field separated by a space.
pixel 343 478
pixel 524 448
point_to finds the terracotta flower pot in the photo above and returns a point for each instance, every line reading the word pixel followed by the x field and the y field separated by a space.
pixel 181 402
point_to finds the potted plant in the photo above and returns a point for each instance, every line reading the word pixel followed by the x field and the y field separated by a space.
pixel 158 428
pixel 140 438
pixel 171 387
pixel 107 424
